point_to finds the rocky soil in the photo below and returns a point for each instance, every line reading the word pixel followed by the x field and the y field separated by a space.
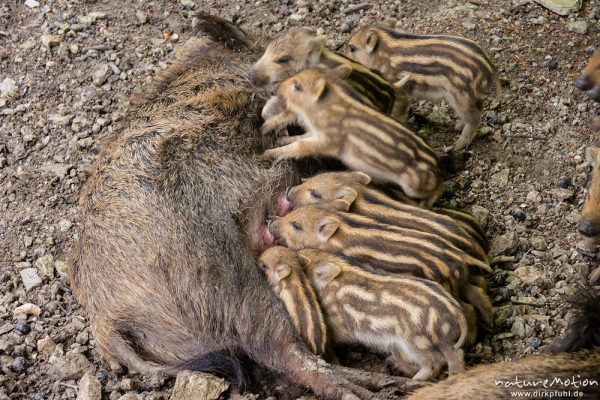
pixel 67 68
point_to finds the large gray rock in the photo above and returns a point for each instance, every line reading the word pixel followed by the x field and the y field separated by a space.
pixel 26 309
pixel 101 74
pixel 32 3
pixel 198 386
pixel 130 396
pixel 518 327
pixel 50 40
pixel 46 346
pixel 561 7
pixel 60 119
pixel 72 366
pixel 561 194
pixel 500 179
pixel 481 214
pixel 580 27
pixel 89 388
pixel 7 87
pixel 45 266
pixel 505 245
pixel 530 275
pixel 30 278
pixel 60 170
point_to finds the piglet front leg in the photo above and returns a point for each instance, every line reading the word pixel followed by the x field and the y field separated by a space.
pixel 278 122
pixel 306 147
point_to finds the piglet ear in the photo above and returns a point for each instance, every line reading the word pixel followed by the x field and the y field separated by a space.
pixel 361 177
pixel 372 40
pixel 304 259
pixel 325 273
pixel 327 227
pixel 402 82
pixel 321 88
pixel 315 48
pixel 345 197
pixel 282 271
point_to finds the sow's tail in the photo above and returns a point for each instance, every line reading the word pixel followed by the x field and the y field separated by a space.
pixel 220 363
pixel 584 328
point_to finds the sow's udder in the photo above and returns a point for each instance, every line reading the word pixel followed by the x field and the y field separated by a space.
pixel 262 237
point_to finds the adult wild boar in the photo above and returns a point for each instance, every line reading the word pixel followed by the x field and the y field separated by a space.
pixel 172 217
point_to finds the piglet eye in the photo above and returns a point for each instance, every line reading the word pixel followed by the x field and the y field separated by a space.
pixel 263 266
pixel 296 226
pixel 297 87
pixel 315 194
pixel 352 49
pixel 283 60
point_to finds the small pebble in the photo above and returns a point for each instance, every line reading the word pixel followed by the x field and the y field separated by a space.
pixel 65 225
pixel 32 3
pixel 22 327
pixel 550 64
pixel 101 376
pixel 18 364
pixel 518 214
pixel 141 16
pixel 564 182
pixel 534 342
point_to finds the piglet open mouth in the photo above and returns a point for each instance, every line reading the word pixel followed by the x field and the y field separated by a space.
pixel 276 239
pixel 282 204
pixel 267 236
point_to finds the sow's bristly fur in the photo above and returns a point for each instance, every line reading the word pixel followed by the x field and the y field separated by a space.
pixel 165 261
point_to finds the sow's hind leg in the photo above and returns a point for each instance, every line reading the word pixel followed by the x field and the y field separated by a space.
pixel 117 350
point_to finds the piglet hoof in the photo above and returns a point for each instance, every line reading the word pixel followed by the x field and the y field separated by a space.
pixel 282 141
pixel 375 381
pixel 340 389
pixel 447 149
pixel 265 129
pixel 268 155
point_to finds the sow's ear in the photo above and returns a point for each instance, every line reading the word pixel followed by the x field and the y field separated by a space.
pixel 371 39
pixel 327 228
pixel 325 273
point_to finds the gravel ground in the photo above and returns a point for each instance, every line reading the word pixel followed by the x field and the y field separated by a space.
pixel 67 68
